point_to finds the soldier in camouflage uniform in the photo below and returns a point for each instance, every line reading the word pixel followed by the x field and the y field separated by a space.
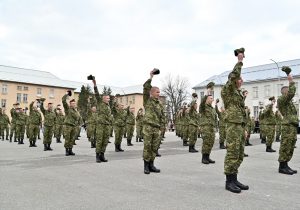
pixel 222 125
pixel 91 125
pixel 193 126
pixel 154 114
pixel 185 125
pixel 20 125
pixel 104 122
pixel 289 125
pixel 139 125
pixel 78 128
pixel 59 124
pixel 270 123
pixel 49 124
pixel 27 124
pixel 248 126
pixel 70 123
pixel 130 123
pixel 278 117
pixel 4 124
pixel 120 116
pixel 235 125
pixel 207 125
pixel 35 120
pixel 13 122
pixel 262 126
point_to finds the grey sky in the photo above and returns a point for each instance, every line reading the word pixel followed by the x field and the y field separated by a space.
pixel 120 41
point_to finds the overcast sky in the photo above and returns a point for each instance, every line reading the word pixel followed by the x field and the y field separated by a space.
pixel 120 41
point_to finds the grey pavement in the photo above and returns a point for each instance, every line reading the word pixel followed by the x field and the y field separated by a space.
pixel 34 179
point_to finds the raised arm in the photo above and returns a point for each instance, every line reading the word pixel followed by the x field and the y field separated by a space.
pixel 65 104
pixel 147 87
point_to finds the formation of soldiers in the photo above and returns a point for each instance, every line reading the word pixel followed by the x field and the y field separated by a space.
pixel 232 121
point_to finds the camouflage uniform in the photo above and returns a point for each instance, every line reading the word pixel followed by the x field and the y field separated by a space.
pixel 49 123
pixel 20 126
pixel 119 126
pixel 194 124
pixel 4 122
pixel 139 127
pixel 59 126
pixel 13 124
pixel 235 122
pixel 91 127
pixel 185 126
pixel 130 123
pixel 35 120
pixel 27 126
pixel 262 126
pixel 278 125
pixel 248 127
pixel 222 126
pixel 270 122
pixel 289 124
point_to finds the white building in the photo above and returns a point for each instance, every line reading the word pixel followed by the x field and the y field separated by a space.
pixel 262 82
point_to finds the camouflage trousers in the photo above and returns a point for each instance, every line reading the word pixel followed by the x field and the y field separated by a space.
pixel 48 133
pixel 34 130
pixel 27 131
pixel 287 143
pixel 78 129
pixel 151 142
pixel 2 129
pixel 270 134
pixel 70 133
pixel 91 132
pixel 129 130
pixel 222 134
pixel 263 131
pixel 193 134
pixel 111 130
pixel 278 131
pixel 235 144
pixel 119 132
pixel 58 131
pixel 102 137
pixel 208 136
pixel 20 131
pixel 185 132
pixel 139 131
pixel 13 130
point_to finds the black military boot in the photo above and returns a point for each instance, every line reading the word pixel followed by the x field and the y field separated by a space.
pixel 129 142
pixel 102 158
pixel 33 143
pixel 49 148
pixel 152 168
pixel 157 154
pixel 2 138
pixel 185 143
pixel 22 141
pixel 71 152
pixel 283 169
pixel 146 167
pixel 277 139
pixel 269 149
pixel 67 152
pixel 98 160
pixel 248 143
pixel 238 184
pixel 205 159
pixel 45 147
pixel 15 140
pixel 19 141
pixel 10 138
pixel 136 139
pixel 120 149
pixel 192 149
pixel 263 140
pixel 116 148
pixel 7 138
pixel 246 155
pixel 140 140
pixel 30 143
pixel 210 160
pixel 222 146
pixel 294 171
pixel 230 185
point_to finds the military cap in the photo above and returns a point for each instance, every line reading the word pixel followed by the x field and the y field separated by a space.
pixel 272 98
pixel 194 95
pixel 91 77
pixel 155 71
pixel 140 109
pixel 73 100
pixel 69 92
pixel 210 85
pixel 286 69
pixel 237 51
pixel 17 104
pixel 245 91
pixel 42 99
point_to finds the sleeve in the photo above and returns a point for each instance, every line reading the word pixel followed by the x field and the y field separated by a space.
pixel 97 94
pixel 146 91
pixel 65 105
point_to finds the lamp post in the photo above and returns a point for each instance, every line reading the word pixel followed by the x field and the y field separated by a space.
pixel 277 69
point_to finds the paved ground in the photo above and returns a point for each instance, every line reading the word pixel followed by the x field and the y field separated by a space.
pixel 34 179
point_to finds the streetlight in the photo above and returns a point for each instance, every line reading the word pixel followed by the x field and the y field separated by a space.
pixel 277 69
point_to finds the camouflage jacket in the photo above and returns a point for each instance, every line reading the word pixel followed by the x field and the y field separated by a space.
pixel 287 108
pixel 120 116
pixel 233 98
pixel 130 118
pixel 207 115
pixel 193 116
pixel 185 118
pixel 13 115
pixel 278 118
pixel 261 117
pixel 139 119
pixel 221 116
pixel 35 117
pixel 21 118
pixel 269 116
pixel 49 116
pixel 103 110
pixel 60 119
pixel 72 116
pixel 92 118
pixel 154 111
pixel 4 120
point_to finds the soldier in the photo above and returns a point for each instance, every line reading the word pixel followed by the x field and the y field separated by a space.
pixel 193 126
pixel 270 122
pixel 222 125
pixel 249 126
pixel 49 122
pixel 35 120
pixel 207 124
pixel 278 117
pixel 235 125
pixel 289 124
pixel 4 125
pixel 13 122
pixel 59 124
pixel 139 125
pixel 41 125
pixel 103 123
pixel 120 116
pixel 185 125
pixel 70 123
pixel 78 128
pixel 261 117
pixel 91 125
pixel 20 125
pixel 154 113
pixel 130 123
pixel 27 124
pixel 163 128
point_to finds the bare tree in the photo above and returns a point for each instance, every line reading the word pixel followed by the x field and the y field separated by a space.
pixel 176 91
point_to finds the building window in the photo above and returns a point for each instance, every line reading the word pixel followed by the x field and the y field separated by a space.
pixel 3 103
pixel 201 95
pixel 51 93
pixel 4 88
pixel 133 99
pixel 279 86
pixel 255 92
pixel 19 97
pixel 255 112
pixel 19 87
pixel 267 90
pixel 39 91
pixel 25 98
pixel 25 88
